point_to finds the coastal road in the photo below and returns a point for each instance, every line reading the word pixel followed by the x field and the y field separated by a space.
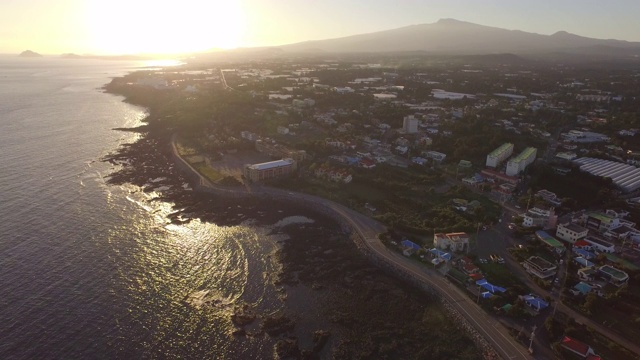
pixel 368 229
pixel 487 327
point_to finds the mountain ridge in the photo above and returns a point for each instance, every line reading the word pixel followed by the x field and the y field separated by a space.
pixel 455 37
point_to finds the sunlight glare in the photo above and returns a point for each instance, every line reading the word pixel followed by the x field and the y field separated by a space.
pixel 148 26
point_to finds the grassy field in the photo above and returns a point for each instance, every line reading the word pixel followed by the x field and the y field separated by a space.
pixel 499 275
pixel 208 172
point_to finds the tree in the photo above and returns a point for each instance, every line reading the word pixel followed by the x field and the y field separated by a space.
pixel 551 327
pixel 590 303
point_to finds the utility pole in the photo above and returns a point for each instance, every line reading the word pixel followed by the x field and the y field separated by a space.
pixel 532 336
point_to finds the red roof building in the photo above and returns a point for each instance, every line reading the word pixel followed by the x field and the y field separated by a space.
pixel 577 347
pixel 582 244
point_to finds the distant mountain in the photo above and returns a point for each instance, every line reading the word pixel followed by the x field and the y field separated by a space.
pixel 29 53
pixel 454 37
pixel 71 56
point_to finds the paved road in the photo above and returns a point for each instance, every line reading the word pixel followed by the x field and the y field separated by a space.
pixel 368 229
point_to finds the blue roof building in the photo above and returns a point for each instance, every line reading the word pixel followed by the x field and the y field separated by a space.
pixel 535 302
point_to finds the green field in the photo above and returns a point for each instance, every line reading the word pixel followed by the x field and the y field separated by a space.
pixel 208 172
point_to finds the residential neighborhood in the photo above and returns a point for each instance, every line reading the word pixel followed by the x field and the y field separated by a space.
pixel 518 184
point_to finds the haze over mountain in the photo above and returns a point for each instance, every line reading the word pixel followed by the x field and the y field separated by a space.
pixel 450 36
pixel 29 53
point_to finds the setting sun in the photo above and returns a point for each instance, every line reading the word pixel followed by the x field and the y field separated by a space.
pixel 147 26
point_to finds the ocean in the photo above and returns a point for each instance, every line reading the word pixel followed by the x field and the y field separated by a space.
pixel 92 271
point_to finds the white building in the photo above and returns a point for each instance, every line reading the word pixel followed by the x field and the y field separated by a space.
pixel 441 94
pixel 451 241
pixel 600 245
pixel 539 217
pixel 517 165
pixel 437 156
pixel 410 124
pixel 539 267
pixel 269 170
pixel 571 232
pixel 498 155
pixel 615 276
pixel 343 90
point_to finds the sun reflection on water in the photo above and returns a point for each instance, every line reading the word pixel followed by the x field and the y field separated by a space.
pixel 182 281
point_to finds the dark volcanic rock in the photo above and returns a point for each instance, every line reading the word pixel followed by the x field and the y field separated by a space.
pixel 277 325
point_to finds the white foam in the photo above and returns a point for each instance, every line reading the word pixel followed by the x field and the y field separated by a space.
pixel 293 220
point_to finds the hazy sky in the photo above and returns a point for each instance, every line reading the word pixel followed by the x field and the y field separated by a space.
pixel 130 26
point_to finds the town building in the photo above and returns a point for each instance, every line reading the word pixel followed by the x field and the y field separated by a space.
pixel 451 241
pixel 534 302
pixel 571 232
pixel 536 217
pixel 517 165
pixel 614 276
pixel 500 154
pixel 410 124
pixel 249 136
pixel 437 156
pixel 409 247
pixel 269 170
pixel 549 197
pixel 579 348
pixel 587 273
pixel 283 130
pixel 441 94
pixel 600 245
pixel 492 174
pixel 279 151
pixel 579 136
pixel 566 155
pixel 601 222
pixel 550 241
pixel 624 176
pixel 539 267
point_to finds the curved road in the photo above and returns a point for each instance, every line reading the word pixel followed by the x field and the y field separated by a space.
pixel 368 229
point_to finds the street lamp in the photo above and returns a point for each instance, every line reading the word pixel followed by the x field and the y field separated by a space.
pixel 532 336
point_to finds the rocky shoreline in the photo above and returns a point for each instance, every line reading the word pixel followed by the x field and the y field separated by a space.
pixel 363 312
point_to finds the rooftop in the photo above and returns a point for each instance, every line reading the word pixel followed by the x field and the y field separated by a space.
pixel 524 154
pixel 574 227
pixel 614 273
pixel 575 346
pixel 548 239
pixel 541 263
pixel 504 147
pixel 601 217
pixel 598 242
pixel 272 164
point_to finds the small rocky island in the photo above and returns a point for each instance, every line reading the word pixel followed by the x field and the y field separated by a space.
pixel 30 54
